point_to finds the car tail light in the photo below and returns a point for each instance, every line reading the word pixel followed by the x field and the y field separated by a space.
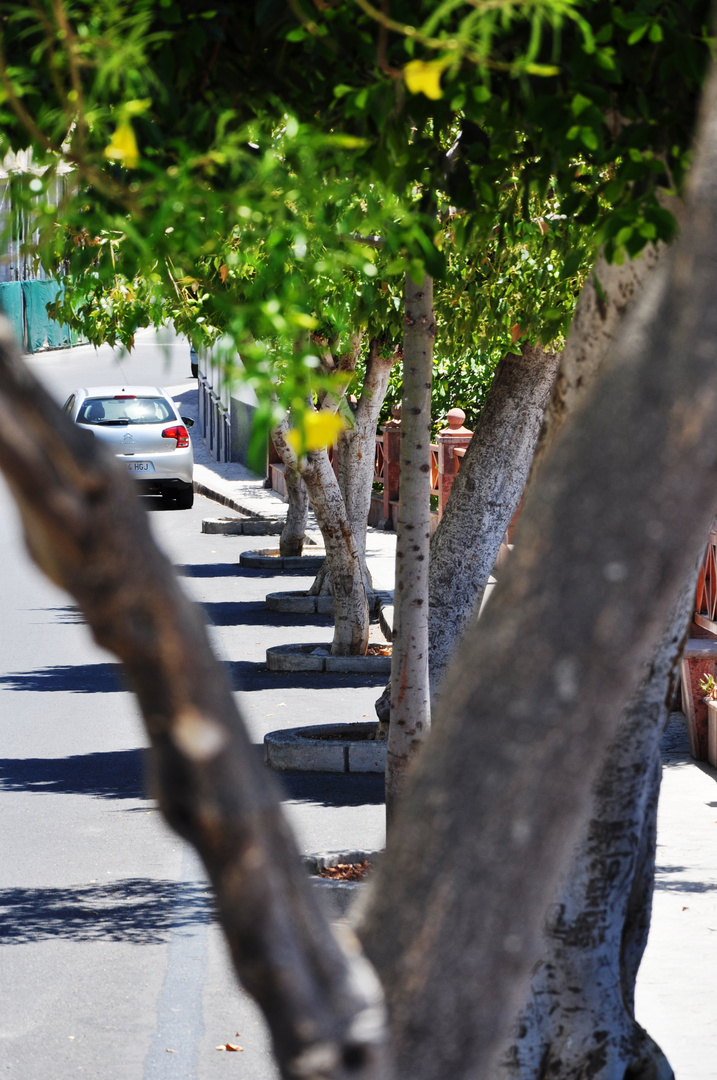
pixel 179 433
pixel 125 397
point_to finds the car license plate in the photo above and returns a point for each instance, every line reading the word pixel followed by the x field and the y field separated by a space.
pixel 140 466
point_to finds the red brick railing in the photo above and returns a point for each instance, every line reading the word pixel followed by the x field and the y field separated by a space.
pixel 446 455
pixel 706 599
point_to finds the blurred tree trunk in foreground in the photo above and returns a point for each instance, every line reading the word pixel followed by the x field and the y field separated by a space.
pixel 606 540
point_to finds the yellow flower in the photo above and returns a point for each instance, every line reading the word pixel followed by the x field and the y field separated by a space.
pixel 123 145
pixel 424 77
pixel 317 430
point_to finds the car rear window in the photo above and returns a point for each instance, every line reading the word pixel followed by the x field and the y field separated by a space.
pixel 117 410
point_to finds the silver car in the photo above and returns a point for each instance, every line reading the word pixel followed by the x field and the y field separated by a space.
pixel 142 426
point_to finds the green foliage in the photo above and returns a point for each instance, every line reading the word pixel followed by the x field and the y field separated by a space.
pixel 240 219
pixel 709 687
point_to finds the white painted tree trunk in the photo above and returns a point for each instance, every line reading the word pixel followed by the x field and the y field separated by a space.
pixel 580 1019
pixel 351 614
pixel 484 497
pixel 291 541
pixel 357 448
pixel 530 397
pixel 410 696
pixel 356 452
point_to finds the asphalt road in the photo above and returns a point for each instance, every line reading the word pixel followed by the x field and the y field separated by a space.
pixel 112 965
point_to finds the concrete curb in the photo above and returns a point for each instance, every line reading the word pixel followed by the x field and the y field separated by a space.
pixel 242 526
pixel 316 656
pixel 345 748
pixel 222 498
pixel 295 564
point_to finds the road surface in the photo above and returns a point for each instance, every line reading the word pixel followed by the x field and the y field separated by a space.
pixel 112 965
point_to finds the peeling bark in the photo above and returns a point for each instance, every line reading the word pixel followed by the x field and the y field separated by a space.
pixel 357 448
pixel 85 528
pixel 351 613
pixel 291 541
pixel 410 698
pixel 580 1019
pixel 606 540
pixel 484 498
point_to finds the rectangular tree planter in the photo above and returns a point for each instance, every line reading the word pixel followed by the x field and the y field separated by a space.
pixel 711 731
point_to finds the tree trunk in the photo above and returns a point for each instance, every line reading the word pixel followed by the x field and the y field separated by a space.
pixel 605 542
pixel 351 614
pixel 599 317
pixel 85 527
pixel 357 448
pixel 580 1019
pixel 484 498
pixel 291 541
pixel 410 698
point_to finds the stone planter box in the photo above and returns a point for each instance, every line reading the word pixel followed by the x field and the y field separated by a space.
pixel 270 559
pixel 698 660
pixel 711 731
pixel 316 656
pixel 328 748
pixel 242 526
pixel 299 602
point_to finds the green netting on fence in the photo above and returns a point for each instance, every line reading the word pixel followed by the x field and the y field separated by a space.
pixel 11 307
pixel 42 331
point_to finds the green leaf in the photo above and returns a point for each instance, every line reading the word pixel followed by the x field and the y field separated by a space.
pixel 417 271
pixel 542 70
pixel 638 34
pixel 589 138
pixel 579 104
pixel 572 264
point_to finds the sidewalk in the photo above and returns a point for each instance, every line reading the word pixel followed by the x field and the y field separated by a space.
pixel 677 983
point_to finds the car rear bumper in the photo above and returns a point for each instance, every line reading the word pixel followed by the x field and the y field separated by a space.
pixel 175 466
pixel 159 486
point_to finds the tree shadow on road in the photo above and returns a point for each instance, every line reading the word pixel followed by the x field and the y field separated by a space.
pixel 137 911
pixel 114 774
pixel 233 570
pixel 333 789
pixel 256 613
pixel 76 678
pixel 248 676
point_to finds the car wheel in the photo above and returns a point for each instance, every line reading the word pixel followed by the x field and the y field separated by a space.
pixel 184 500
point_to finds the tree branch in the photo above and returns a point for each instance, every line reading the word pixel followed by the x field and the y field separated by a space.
pixel 85 528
